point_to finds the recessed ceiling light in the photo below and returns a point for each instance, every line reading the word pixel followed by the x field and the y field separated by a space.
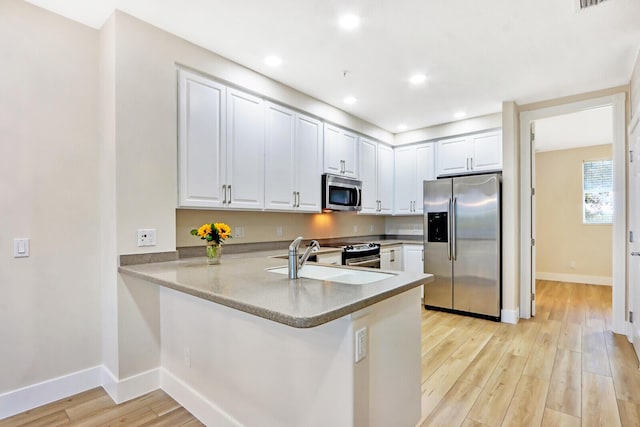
pixel 402 127
pixel 272 61
pixel 349 21
pixel 417 79
pixel 460 115
pixel 350 100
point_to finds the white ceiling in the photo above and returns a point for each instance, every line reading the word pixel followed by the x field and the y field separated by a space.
pixel 585 128
pixel 475 54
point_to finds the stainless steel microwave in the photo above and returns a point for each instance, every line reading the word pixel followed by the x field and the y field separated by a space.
pixel 340 193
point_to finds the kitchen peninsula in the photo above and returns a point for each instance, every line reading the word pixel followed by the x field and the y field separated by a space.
pixel 241 345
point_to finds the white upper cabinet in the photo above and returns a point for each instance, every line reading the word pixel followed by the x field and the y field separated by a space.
pixel 202 137
pixel 369 176
pixel 245 150
pixel 376 174
pixel 221 145
pixel 385 179
pixel 340 151
pixel 468 154
pixel 293 155
pixel 280 161
pixel 309 163
pixel 487 151
pixel 413 165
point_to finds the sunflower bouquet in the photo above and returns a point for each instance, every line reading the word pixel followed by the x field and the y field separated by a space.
pixel 216 232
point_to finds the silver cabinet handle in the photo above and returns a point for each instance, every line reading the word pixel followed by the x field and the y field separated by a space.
pixel 635 253
pixel 229 187
pixel 224 190
pixel 423 255
pixel 393 255
pixel 295 199
pixel 471 162
pixel 298 203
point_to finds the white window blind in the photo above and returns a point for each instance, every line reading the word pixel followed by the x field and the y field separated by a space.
pixel 597 192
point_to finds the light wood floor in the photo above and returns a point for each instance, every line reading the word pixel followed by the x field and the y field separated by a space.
pixel 563 368
pixel 95 408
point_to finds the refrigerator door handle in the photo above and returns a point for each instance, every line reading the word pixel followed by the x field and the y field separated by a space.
pixel 454 236
pixel 449 229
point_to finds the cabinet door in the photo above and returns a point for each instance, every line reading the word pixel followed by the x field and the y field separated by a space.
pixel 369 176
pixel 453 156
pixel 414 261
pixel 425 171
pixel 385 259
pixel 201 141
pixel 395 257
pixel 350 154
pixel 385 179
pixel 245 150
pixel 487 152
pixel 308 163
pixel 405 180
pixel 332 149
pixel 280 162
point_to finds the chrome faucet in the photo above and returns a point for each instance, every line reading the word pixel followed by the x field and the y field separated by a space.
pixel 296 262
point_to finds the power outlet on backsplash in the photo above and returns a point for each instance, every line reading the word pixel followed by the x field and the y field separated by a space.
pixel 238 232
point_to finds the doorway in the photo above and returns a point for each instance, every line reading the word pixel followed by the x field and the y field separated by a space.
pixel 528 229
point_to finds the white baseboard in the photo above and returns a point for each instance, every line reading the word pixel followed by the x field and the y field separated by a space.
pixel 23 399
pixel 131 387
pixel 30 397
pixel 575 278
pixel 510 316
pixel 206 411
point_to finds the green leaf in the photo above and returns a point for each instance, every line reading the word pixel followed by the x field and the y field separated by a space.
pixel 194 232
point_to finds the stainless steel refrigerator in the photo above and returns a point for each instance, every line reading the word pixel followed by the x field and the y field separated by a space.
pixel 462 245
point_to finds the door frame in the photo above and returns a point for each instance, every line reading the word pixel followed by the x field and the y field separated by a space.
pixel 619 259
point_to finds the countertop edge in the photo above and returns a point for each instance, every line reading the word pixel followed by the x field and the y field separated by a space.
pixel 296 322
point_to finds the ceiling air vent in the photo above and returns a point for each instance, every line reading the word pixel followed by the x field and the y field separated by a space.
pixel 583 4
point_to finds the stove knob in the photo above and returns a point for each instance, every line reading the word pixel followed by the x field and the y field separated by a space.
pixel 349 247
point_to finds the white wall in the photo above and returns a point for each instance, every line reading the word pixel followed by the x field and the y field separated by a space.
pixel 49 302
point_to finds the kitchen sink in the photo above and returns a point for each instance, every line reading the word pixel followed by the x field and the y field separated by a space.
pixel 336 274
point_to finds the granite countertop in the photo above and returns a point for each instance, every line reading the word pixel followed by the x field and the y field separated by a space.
pixel 241 282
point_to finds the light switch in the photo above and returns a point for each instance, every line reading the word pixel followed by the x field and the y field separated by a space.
pixel 21 247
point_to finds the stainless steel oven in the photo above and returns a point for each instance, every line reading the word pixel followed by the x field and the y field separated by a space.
pixel 361 254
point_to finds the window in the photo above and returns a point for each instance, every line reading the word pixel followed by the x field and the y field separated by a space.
pixel 597 192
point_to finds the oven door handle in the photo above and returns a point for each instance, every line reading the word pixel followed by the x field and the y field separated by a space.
pixel 364 263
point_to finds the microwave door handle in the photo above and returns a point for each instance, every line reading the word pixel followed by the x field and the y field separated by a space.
pixel 359 193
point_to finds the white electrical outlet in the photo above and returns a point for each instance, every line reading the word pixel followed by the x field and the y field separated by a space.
pixel 361 344
pixel 279 231
pixel 355 228
pixel 238 232
pixel 146 237
pixel 572 264
pixel 372 227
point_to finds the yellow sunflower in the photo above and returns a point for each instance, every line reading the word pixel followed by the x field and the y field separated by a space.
pixel 224 231
pixel 204 230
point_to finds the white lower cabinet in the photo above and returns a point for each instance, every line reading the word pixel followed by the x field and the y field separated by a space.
pixel 391 258
pixel 414 260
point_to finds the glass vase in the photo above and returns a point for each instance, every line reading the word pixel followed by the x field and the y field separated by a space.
pixel 214 252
